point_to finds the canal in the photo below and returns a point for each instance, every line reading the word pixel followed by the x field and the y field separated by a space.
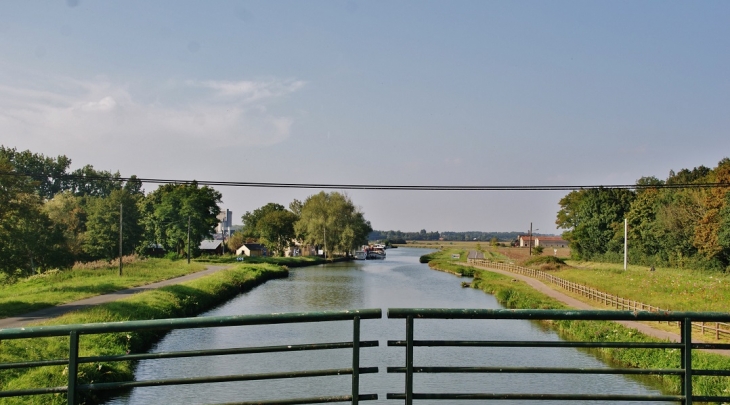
pixel 398 281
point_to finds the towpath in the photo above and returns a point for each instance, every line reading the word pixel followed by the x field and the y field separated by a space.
pixel 52 312
pixel 572 302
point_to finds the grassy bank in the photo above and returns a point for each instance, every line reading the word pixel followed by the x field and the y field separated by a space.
pixel 516 294
pixel 187 299
pixel 669 288
pixel 59 287
pixel 298 261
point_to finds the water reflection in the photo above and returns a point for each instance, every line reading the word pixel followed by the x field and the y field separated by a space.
pixel 399 281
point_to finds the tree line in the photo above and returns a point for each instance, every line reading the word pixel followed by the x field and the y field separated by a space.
pixel 326 221
pixel 51 217
pixel 675 227
pixel 401 237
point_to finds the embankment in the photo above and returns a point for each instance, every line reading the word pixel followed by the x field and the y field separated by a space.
pixel 181 300
pixel 515 294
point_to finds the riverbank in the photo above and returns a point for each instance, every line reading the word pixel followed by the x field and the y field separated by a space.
pixel 516 294
pixel 175 301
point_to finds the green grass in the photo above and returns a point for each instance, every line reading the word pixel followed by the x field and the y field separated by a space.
pixel 175 301
pixel 667 288
pixel 518 295
pixel 59 287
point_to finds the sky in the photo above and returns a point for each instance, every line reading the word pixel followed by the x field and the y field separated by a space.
pixel 475 93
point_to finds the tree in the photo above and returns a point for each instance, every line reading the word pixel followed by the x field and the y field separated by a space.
pixel 46 172
pixel 69 213
pixel 29 240
pixel 276 230
pixel 88 181
pixel 599 221
pixel 331 220
pixel 165 214
pixel 251 219
pixel 101 240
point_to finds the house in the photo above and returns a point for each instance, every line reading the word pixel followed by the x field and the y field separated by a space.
pixel 211 247
pixel 550 241
pixel 524 240
pixel 300 249
pixel 251 249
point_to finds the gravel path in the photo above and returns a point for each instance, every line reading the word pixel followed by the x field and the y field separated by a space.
pixel 52 312
pixel 570 301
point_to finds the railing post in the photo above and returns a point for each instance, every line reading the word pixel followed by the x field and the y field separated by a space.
pixel 73 366
pixel 355 360
pixel 409 360
pixel 686 363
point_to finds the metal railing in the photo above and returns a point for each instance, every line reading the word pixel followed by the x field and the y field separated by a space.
pixel 74 389
pixel 614 301
pixel 685 372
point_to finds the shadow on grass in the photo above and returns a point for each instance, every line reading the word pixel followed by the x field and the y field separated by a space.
pixel 15 308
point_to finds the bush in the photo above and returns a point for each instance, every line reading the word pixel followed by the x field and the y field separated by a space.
pixel 546 262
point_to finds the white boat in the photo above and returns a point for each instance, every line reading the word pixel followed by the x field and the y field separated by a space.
pixel 375 254
pixel 360 255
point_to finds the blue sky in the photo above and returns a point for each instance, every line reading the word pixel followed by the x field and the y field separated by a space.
pixel 401 92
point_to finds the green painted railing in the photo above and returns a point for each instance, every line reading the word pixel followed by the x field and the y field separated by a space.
pixel 74 390
pixel 685 371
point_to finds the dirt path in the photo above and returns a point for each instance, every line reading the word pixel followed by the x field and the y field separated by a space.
pixel 52 312
pixel 570 301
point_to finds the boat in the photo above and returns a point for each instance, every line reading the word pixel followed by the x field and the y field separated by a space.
pixel 360 255
pixel 373 253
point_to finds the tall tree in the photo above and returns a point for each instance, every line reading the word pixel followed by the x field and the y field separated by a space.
pixel 102 226
pixel 47 172
pixel 276 230
pixel 29 240
pixel 166 211
pixel 251 220
pixel 331 220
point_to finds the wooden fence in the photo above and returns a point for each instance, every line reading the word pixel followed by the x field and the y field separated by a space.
pixel 719 328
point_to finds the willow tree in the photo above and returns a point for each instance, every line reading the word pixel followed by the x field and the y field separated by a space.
pixel 332 221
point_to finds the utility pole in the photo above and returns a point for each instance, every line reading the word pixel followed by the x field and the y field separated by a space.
pixel 626 242
pixel 188 239
pixel 530 238
pixel 120 239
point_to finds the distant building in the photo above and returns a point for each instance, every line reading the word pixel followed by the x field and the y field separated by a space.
pixel 251 249
pixel 225 221
pixel 550 241
pixel 211 247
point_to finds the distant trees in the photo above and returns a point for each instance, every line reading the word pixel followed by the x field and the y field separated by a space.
pixel 328 220
pixel 669 226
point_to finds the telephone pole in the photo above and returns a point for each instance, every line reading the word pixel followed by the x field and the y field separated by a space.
pixel 530 240
pixel 120 239
pixel 188 239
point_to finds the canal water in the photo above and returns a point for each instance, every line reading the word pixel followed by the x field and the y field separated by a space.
pixel 398 281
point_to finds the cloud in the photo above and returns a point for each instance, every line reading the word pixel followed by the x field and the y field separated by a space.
pixel 201 115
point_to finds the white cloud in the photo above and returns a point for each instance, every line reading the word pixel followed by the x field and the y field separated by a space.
pixel 100 113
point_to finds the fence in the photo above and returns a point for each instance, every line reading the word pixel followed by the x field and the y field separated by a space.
pixel 74 390
pixel 685 371
pixel 614 301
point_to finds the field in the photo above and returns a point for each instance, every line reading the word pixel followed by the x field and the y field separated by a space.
pixel 59 287
pixel 513 253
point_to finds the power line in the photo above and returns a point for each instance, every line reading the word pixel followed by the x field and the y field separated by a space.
pixel 378 186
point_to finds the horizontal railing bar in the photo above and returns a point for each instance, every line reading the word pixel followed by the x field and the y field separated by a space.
pixel 189 323
pixel 710 399
pixel 717 373
pixel 557 397
pixel 313 400
pixel 222 352
pixel 29 364
pixel 223 378
pixel 34 391
pixel 717 346
pixel 508 343
pixel 554 314
pixel 539 370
